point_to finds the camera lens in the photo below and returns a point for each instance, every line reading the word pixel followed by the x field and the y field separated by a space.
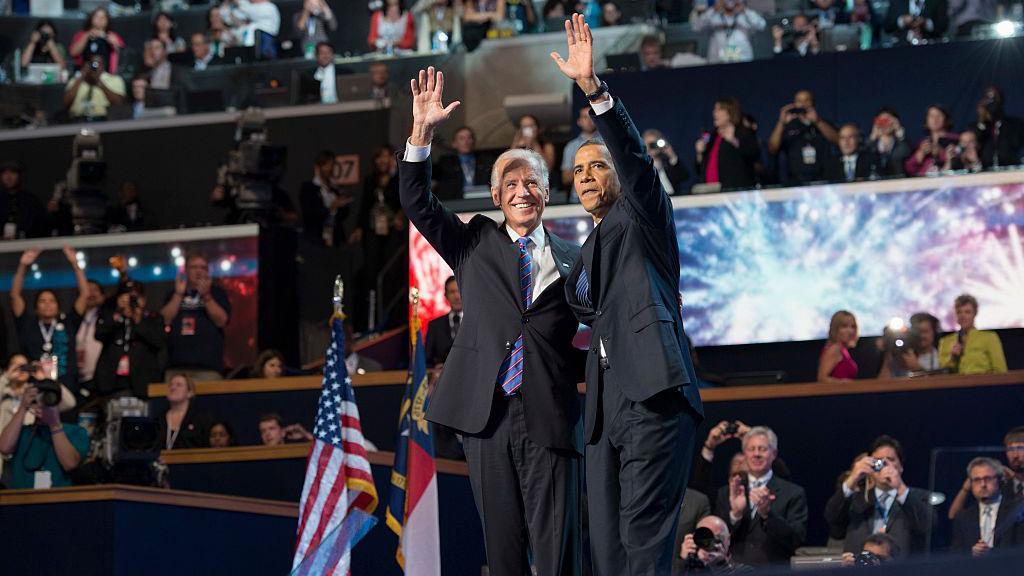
pixel 704 538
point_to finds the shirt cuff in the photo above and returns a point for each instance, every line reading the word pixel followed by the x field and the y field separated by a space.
pixel 846 491
pixel 604 106
pixel 416 153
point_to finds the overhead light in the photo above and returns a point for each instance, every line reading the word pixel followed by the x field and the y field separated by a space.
pixel 133 262
pixel 1005 29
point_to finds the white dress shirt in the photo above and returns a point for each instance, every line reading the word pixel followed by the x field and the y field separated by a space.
pixel 328 87
pixel 544 270
pixel 987 526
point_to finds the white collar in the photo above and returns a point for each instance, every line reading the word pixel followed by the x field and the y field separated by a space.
pixel 879 493
pixel 763 480
pixel 994 503
pixel 538 237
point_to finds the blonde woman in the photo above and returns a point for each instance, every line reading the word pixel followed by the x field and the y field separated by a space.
pixel 836 365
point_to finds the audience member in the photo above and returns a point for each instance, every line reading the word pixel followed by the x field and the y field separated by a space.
pixel 827 13
pixel 530 135
pixel 804 137
pixel 46 333
pixel 203 55
pixel 874 499
pixel 43 47
pixel 220 34
pixel 878 549
pixel 766 514
pixel 381 227
pixel 159 71
pixel 888 144
pixel 971 351
pixel 269 364
pixel 249 17
pixel 97 39
pixel 392 27
pixel 438 24
pixel 44 452
pixel 196 312
pixel 314 24
pixel 13 383
pixel 356 363
pixel 380 77
pixel 1001 136
pixel 92 91
pixel 461 168
pixel 441 331
pixel 800 40
pixel 588 131
pixel 717 558
pixel 324 209
pixel 729 24
pixel 968 15
pixel 273 432
pixel 87 347
pixel 915 21
pixel 671 170
pixel 852 163
pixel 21 213
pixel 992 521
pixel 479 17
pixel 127 215
pixel 695 507
pixel 221 435
pixel 133 339
pixel 966 156
pixel 165 30
pixel 138 99
pixel 183 425
pixel 728 154
pixel 611 14
pixel 320 83
pixel 935 150
pixel 1014 444
pixel 920 351
pixel 651 56
pixel 835 364
pixel 521 16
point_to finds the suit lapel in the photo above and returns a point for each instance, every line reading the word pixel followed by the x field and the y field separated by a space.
pixel 508 260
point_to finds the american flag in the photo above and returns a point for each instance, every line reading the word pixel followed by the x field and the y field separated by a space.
pixel 338 497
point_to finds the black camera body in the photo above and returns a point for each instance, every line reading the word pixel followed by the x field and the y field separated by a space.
pixel 866 558
pixel 732 428
pixel 49 391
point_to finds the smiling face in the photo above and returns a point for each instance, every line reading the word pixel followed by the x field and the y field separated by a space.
pixel 759 454
pixel 935 120
pixel 596 182
pixel 965 314
pixel 47 306
pixel 521 194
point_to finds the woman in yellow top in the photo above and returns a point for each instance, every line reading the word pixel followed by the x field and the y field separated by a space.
pixel 977 351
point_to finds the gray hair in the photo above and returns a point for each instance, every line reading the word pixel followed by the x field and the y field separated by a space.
pixel 773 440
pixel 535 161
pixel 984 461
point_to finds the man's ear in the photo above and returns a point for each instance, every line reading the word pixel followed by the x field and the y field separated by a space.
pixel 494 197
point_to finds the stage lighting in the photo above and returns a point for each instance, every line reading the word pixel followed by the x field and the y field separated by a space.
pixel 133 262
pixel 1005 29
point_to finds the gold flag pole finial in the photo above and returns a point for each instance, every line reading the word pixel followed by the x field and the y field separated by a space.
pixel 414 298
pixel 339 297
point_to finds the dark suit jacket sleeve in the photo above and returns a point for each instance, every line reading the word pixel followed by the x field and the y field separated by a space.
pixel 960 538
pixel 701 476
pixel 151 332
pixel 837 514
pixel 939 15
pixel 640 184
pixel 788 527
pixel 313 210
pixel 897 8
pixel 431 345
pixel 441 227
pixel 749 149
pixel 917 512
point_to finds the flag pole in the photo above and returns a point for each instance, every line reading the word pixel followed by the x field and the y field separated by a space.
pixel 339 297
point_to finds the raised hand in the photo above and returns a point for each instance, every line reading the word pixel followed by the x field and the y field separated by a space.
pixel 579 66
pixel 28 257
pixel 427 109
pixel 70 254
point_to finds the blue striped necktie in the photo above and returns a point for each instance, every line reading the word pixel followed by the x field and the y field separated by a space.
pixel 583 289
pixel 510 376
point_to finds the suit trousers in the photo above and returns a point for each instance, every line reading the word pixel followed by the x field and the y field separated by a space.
pixel 527 495
pixel 637 471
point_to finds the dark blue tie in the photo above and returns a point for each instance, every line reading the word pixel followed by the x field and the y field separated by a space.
pixel 583 289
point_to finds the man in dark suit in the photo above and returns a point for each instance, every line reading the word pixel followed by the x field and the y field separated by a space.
pixel 442 330
pixel 992 521
pixel 509 383
pixel 852 163
pixel 874 499
pixel 324 210
pixel 203 55
pixel 767 515
pixel 319 84
pixel 642 405
pixel 132 339
pixel 915 20
pixel 696 506
pixel 462 168
pixel 1014 444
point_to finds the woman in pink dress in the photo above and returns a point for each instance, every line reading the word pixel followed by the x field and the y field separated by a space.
pixel 836 365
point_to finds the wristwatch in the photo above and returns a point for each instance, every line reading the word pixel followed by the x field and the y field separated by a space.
pixel 601 91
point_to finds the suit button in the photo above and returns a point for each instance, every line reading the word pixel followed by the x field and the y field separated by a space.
pixel 508 344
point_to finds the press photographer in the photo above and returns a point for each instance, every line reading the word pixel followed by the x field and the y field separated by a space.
pixel 44 452
pixel 707 550
pixel 877 550
pixel 671 171
pixel 910 348
pixel 132 338
pixel 798 37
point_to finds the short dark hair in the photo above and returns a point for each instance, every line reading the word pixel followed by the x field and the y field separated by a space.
pixel 323 158
pixel 45 22
pixel 964 300
pixel 1016 434
pixel 883 539
pixel 852 125
pixel 44 291
pixel 926 317
pixel 194 254
pixel 272 416
pixel 461 128
pixel 232 439
pixel 888 110
pixel 449 281
pixel 651 39
pixel 732 106
pixel 886 440
pixel 325 43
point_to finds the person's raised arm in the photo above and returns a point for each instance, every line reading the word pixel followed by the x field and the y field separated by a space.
pixel 171 308
pixel 82 299
pixel 67 454
pixel 9 436
pixel 28 257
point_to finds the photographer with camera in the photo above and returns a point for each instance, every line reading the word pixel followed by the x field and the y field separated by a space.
pixel 888 144
pixel 93 91
pixel 966 154
pixel 729 26
pixel 911 349
pixel 706 550
pixel 916 21
pixel 44 452
pixel 132 339
pixel 1001 136
pixel 767 515
pixel 937 148
pixel 992 521
pixel 671 171
pixel 878 549
pixel 42 47
pixel 800 39
pixel 874 499
pixel 805 138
